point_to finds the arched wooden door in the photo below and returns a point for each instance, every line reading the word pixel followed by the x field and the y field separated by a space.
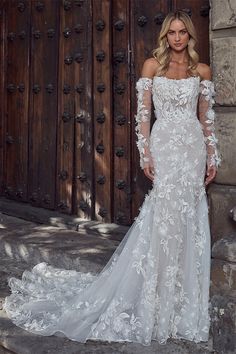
pixel 68 100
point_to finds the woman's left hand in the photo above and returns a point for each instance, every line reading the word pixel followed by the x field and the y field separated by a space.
pixel 211 173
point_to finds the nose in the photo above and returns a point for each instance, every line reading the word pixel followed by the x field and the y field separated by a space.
pixel 177 37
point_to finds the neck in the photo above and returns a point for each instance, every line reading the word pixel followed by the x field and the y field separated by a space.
pixel 179 57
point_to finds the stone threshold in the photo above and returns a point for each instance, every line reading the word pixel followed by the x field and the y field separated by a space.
pixel 54 218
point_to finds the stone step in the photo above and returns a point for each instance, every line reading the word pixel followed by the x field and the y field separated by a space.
pixel 29 243
pixel 27 213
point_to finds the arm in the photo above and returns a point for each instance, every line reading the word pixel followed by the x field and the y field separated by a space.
pixel 143 116
pixel 206 118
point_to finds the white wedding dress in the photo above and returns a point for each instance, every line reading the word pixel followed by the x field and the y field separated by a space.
pixel 156 284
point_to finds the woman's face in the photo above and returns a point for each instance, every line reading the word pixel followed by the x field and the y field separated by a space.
pixel 177 35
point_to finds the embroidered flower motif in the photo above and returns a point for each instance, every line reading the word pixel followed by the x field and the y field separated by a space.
pixel 138 265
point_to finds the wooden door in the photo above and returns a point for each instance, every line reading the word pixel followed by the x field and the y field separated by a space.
pixel 67 130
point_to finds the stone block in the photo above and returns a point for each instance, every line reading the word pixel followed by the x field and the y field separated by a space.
pixel 224 70
pixel 226 133
pixel 221 201
pixel 225 249
pixel 223 14
pixel 223 324
pixel 223 278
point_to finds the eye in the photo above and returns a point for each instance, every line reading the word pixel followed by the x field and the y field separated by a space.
pixel 183 31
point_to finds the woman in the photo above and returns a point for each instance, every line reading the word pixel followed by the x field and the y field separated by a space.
pixel 156 284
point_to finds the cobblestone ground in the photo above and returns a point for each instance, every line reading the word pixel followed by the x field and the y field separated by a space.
pixel 23 244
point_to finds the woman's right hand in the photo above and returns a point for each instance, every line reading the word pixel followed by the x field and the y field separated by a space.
pixel 149 172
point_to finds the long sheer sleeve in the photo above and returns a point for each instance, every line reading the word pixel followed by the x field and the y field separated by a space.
pixel 207 118
pixel 143 120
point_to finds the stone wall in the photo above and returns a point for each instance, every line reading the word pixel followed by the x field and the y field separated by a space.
pixel 222 193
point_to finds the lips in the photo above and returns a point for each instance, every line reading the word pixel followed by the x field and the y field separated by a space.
pixel 178 44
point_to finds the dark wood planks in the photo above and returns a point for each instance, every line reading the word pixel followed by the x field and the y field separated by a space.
pixel 84 154
pixel 66 103
pixel 2 91
pixel 43 103
pixel 103 163
pixel 121 111
pixel 16 90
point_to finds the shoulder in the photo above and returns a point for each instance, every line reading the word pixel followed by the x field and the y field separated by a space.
pixel 205 71
pixel 149 68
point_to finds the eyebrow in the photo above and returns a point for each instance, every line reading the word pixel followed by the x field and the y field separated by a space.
pixel 182 29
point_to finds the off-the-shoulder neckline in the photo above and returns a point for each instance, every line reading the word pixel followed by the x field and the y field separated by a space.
pixel 168 78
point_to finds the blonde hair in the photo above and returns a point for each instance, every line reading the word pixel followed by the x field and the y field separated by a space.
pixel 162 53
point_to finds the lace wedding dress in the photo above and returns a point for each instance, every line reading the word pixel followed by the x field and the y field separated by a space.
pixel 156 284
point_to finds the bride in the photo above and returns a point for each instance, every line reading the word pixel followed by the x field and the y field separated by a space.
pixel 156 284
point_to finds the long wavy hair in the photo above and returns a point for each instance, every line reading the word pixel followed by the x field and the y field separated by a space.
pixel 162 52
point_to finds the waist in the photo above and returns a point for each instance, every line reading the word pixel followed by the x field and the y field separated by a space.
pixel 177 115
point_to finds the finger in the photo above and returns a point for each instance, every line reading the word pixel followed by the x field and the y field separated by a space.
pixel 211 171
pixel 149 173
pixel 212 174
pixel 150 176
pixel 210 178
pixel 149 170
